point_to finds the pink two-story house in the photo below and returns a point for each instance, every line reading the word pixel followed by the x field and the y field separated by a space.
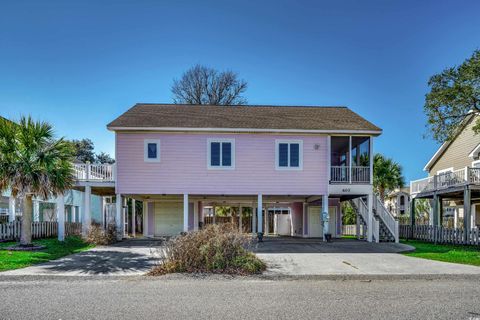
pixel 279 169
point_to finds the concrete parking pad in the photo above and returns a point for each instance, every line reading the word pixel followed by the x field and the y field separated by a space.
pixel 126 258
pixel 344 257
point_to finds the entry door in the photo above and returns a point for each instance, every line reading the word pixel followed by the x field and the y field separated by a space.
pixel 168 218
pixel 314 223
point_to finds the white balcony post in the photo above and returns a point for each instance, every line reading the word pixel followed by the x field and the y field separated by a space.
pixel 350 159
pixel 119 216
pixel 87 220
pixel 61 217
pixel 324 216
pixel 36 210
pixel 87 169
pixel 259 214
pixel 371 160
pixel 185 212
pixel 134 219
pixel 329 158
pixel 370 218
pixel 11 209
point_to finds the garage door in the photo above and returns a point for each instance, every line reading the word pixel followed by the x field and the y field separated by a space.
pixel 168 218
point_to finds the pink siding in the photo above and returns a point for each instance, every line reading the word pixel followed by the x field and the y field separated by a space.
pixel 183 166
pixel 297 218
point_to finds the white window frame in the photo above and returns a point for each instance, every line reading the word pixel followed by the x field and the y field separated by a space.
pixel 300 155
pixel 145 150
pixel 445 170
pixel 474 163
pixel 209 154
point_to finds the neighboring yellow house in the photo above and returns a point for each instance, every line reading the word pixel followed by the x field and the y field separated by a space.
pixel 453 184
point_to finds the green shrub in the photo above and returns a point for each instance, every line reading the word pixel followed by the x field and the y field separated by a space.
pixel 216 249
pixel 98 236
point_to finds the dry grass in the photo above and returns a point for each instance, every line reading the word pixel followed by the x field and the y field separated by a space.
pixel 214 249
pixel 96 235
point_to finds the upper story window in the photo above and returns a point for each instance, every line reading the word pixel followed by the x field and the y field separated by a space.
pixel 151 150
pixel 221 153
pixel 289 154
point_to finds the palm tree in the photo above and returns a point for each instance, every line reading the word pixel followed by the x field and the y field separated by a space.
pixel 33 164
pixel 387 175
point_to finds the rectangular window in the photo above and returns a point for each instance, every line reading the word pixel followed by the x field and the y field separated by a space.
pixel 151 150
pixel 221 153
pixel 289 155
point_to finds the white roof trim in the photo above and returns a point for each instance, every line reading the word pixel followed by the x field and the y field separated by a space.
pixel 437 154
pixel 180 129
pixel 474 152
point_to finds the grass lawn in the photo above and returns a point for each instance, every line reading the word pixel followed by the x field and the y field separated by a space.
pixel 444 252
pixel 54 249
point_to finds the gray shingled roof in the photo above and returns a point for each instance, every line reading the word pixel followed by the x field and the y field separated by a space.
pixel 241 117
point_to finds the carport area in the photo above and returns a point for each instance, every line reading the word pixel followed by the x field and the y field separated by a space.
pixel 348 257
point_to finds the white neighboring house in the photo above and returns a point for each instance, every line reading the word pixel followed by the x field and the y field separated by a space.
pixel 398 202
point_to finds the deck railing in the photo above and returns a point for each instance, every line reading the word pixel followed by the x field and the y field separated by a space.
pixel 342 174
pixel 94 172
pixel 446 180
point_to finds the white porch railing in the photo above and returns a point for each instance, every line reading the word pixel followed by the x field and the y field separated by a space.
pixel 342 174
pixel 446 180
pixel 94 172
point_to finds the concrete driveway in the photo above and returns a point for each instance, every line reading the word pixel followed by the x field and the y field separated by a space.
pixel 126 258
pixel 350 258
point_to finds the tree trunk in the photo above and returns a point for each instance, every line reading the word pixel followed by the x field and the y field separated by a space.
pixel 26 235
pixel 381 192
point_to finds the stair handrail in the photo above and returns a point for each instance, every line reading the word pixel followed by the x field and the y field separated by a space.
pixel 386 216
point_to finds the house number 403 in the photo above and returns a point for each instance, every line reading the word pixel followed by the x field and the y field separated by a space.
pixel 346 190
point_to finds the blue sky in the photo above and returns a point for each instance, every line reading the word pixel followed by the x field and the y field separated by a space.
pixel 79 64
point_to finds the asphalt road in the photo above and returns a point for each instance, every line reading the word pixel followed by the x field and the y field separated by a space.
pixel 217 298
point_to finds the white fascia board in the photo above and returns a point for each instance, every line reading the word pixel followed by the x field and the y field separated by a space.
pixel 179 129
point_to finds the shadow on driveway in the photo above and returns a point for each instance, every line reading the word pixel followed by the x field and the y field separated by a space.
pixel 129 257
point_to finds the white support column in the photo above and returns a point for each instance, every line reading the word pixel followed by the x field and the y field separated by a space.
pixel 119 216
pixel 87 218
pixel 125 217
pixel 134 219
pixel 36 210
pixel 74 213
pixel 195 216
pixel 11 209
pixel 357 228
pixel 267 222
pixel 254 220
pixel 304 219
pixel 240 210
pixel 144 218
pixel 325 217
pixel 213 214
pixel 260 213
pixel 61 217
pixel 370 218
pixel 185 212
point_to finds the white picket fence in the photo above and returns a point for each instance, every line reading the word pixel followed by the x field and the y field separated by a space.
pixel 351 230
pixel 441 235
pixel 45 229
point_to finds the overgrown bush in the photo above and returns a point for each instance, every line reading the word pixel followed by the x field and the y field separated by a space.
pixel 216 249
pixel 97 235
